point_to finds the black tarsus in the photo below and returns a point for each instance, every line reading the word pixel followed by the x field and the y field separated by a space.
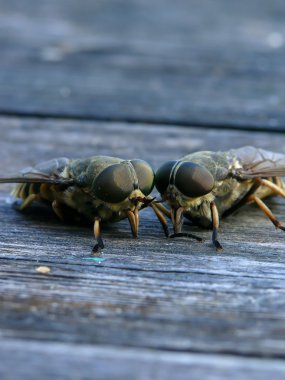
pixel 216 243
pixel 99 245
pixel 186 234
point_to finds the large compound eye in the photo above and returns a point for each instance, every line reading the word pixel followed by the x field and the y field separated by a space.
pixel 113 184
pixel 193 180
pixel 162 176
pixel 145 175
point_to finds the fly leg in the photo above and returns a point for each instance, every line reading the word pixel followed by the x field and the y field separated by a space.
pixel 186 234
pixel 177 221
pixel 160 217
pixel 159 209
pixel 66 214
pixel 266 211
pixel 20 206
pixel 56 206
pixel 275 188
pixel 97 234
pixel 215 219
pixel 275 184
pixel 134 221
pixel 278 182
pixel 163 209
pixel 137 220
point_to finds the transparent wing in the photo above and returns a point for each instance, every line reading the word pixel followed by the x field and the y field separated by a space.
pixel 45 172
pixel 254 162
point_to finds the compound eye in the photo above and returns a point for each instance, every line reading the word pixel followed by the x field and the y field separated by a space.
pixel 162 176
pixel 145 175
pixel 193 180
pixel 113 184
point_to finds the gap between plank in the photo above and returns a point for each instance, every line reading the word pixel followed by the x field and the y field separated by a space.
pixel 146 121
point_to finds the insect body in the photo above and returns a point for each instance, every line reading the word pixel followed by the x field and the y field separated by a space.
pixel 204 186
pixel 99 188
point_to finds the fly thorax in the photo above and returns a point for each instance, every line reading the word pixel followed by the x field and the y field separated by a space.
pixel 236 165
pixel 66 173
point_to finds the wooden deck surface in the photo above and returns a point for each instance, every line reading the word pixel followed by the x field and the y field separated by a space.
pixel 138 79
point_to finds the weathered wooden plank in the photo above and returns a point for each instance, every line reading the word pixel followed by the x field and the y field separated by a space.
pixel 25 142
pixel 70 361
pixel 125 302
pixel 133 28
pixel 216 64
pixel 145 293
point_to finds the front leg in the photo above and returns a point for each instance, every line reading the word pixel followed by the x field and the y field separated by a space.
pixel 97 234
pixel 215 220
pixel 21 205
pixel 177 221
pixel 157 210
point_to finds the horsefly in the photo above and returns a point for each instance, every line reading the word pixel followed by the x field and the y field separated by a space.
pixel 205 186
pixel 99 189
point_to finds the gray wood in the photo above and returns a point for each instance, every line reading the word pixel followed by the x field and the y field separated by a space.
pixel 165 305
pixel 217 63
pixel 147 308
pixel 70 361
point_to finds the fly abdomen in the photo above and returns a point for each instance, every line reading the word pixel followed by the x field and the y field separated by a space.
pixel 24 190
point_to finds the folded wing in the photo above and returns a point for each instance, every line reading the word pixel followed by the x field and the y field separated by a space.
pixel 256 162
pixel 45 172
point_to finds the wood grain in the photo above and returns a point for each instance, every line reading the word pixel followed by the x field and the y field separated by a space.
pixel 178 298
pixel 217 64
pixel 121 78
pixel 70 361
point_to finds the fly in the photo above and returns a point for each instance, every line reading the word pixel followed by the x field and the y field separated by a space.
pixel 205 186
pixel 99 189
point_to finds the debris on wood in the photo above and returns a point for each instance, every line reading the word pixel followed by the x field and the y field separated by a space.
pixel 43 269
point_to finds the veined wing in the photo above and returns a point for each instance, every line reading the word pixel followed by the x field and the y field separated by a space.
pixel 45 172
pixel 253 162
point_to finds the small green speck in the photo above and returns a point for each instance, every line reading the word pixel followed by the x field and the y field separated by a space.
pixel 96 259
